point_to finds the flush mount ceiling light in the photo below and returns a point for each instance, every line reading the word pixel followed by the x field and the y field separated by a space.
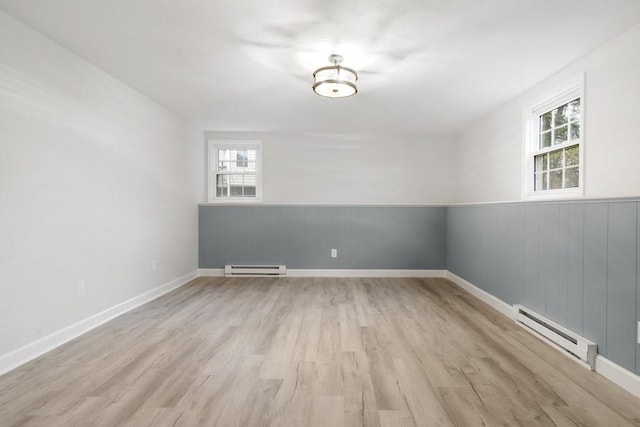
pixel 335 81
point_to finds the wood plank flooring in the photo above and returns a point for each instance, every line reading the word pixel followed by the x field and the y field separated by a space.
pixel 311 352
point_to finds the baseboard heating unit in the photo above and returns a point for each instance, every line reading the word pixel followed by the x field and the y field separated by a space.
pixel 255 270
pixel 563 338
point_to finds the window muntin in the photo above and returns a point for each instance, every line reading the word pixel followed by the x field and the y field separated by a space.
pixel 234 171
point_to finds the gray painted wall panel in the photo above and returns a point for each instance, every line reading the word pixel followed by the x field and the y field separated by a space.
pixel 543 258
pixel 454 253
pixel 499 219
pixel 499 232
pixel 551 248
pixel 519 247
pixel 563 263
pixel 302 236
pixel 637 286
pixel 531 282
pixel 471 243
pixel 575 267
pixel 621 287
pixel 485 241
pixel 457 237
pixel 595 275
pixel 509 223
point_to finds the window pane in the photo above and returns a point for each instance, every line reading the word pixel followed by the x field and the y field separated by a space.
pixel 555 159
pixel 560 135
pixel 230 185
pixel 555 180
pixel 223 166
pixel 575 130
pixel 235 185
pixel 251 166
pixel 242 158
pixel 545 121
pixel 545 140
pixel 574 110
pixel 572 156
pixel 224 154
pixel 222 189
pixel 562 115
pixel 571 177
pixel 541 162
pixel 540 181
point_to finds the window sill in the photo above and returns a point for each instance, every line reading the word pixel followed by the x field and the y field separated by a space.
pixel 572 194
pixel 232 202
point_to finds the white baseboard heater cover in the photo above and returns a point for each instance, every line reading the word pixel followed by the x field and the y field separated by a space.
pixel 255 270
pixel 563 338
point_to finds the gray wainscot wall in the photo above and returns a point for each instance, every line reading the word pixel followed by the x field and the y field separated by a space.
pixel 301 237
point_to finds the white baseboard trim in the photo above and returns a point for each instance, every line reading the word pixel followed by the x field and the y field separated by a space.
pixel 211 272
pixel 219 272
pixel 37 348
pixel 484 296
pixel 365 273
pixel 618 375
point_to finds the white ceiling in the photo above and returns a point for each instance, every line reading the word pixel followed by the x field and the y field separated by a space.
pixel 426 66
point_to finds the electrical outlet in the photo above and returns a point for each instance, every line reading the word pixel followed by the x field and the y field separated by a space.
pixel 154 265
pixel 334 253
pixel 81 290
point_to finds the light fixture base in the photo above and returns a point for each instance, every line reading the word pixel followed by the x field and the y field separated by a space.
pixel 336 59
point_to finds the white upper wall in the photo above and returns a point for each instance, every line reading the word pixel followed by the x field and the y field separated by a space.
pixel 96 181
pixel 490 157
pixel 350 169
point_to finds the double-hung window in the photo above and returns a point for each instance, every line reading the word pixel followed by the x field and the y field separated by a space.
pixel 555 148
pixel 235 170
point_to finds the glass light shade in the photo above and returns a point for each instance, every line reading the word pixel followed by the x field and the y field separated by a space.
pixel 335 81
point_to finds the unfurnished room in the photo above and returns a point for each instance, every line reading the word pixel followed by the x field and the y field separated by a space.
pixel 319 213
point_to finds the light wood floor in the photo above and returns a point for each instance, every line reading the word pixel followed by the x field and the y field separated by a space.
pixel 319 352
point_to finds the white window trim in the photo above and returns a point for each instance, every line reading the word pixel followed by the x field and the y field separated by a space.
pixel 531 113
pixel 214 144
